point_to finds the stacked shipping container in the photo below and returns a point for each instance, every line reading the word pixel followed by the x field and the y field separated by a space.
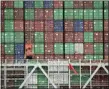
pixel 72 30
pixel 58 30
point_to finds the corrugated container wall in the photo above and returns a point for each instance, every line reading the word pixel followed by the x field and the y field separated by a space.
pixel 58 30
pixel 53 29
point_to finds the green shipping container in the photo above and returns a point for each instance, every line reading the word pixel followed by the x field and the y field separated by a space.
pixel 9 48
pixel 98 48
pixel 18 82
pixel 88 36
pixel 18 4
pixel 69 48
pixel 58 48
pixel 42 87
pixel 98 25
pixel 88 57
pixel 98 4
pixel 42 80
pixel 106 5
pixel 77 68
pixel 19 37
pixel 39 48
pixel 9 25
pixel 84 79
pixel 3 37
pixel 68 4
pixel 58 14
pixel 29 14
pixel 98 14
pixel 75 79
pixel 68 13
pixel 39 70
pixel 98 57
pixel 38 4
pixel 9 37
pixel 39 37
pixel 8 13
pixel 78 14
pixel 30 69
pixel 88 14
pixel 106 15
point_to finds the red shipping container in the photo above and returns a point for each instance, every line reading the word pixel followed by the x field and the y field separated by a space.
pixel 48 14
pixel 2 14
pixel 78 56
pixel 88 48
pixel 2 56
pixel 93 68
pixel 106 36
pixel 7 4
pixel 18 14
pixel 106 25
pixel 10 84
pixel 2 49
pixel 39 56
pixel 2 25
pixel 96 80
pixel 58 4
pixel 31 39
pixel 29 36
pixel 50 57
pixel 85 69
pixel 48 25
pixel 49 48
pixel 75 87
pixel 29 25
pixel 106 48
pixel 78 36
pixel 68 25
pixel 98 37
pixel 18 25
pixel 9 58
pixel 69 37
pixel 88 4
pixel 105 80
pixel 48 36
pixel 39 14
pixel 69 57
pixel 88 25
pixel 78 4
pixel 58 56
pixel 2 4
pixel 100 70
pixel 106 57
pixel 39 26
pixel 58 36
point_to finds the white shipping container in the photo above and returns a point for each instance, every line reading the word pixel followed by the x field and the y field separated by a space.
pixel 78 48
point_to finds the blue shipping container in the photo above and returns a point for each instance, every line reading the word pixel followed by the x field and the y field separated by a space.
pixel 19 56
pixel 58 25
pixel 29 4
pixel 48 4
pixel 19 48
pixel 78 26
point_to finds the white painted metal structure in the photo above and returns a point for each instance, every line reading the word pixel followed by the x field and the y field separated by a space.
pixel 60 66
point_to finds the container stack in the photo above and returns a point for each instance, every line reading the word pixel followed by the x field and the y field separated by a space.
pixel 59 29
pixel 76 30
